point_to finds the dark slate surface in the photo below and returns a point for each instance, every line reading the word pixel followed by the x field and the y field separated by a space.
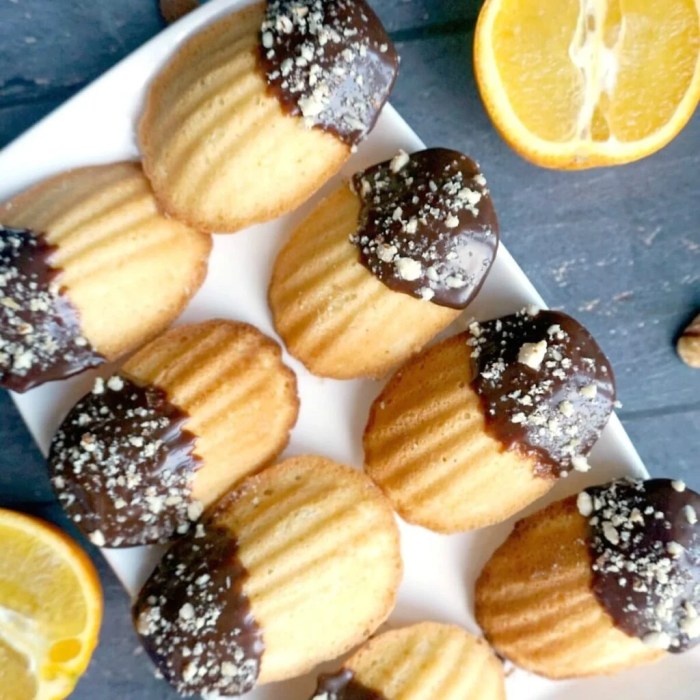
pixel 619 248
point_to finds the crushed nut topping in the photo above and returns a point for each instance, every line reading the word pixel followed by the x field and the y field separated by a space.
pixel 40 335
pixel 329 61
pixel 546 387
pixel 195 620
pixel 122 465
pixel 646 574
pixel 427 226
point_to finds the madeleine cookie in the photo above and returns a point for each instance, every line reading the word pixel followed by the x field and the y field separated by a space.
pixel 298 565
pixel 597 583
pixel 428 661
pixel 188 416
pixel 89 270
pixel 380 267
pixel 482 424
pixel 257 111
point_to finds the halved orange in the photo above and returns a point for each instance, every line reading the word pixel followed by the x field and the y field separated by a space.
pixel 583 83
pixel 50 610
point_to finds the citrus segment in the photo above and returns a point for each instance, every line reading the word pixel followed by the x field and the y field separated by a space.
pixel 50 610
pixel 580 83
pixel 659 51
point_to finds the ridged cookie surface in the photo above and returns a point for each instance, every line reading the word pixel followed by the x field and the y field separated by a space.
pixel 427 447
pixel 333 314
pixel 190 415
pixel 426 661
pixel 316 549
pixel 241 398
pixel 535 601
pixel 233 131
pixel 125 270
pixel 482 424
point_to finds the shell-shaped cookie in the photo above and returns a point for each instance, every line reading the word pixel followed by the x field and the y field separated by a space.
pixel 90 271
pixel 188 416
pixel 381 266
pixel 571 594
pixel 422 662
pixel 535 603
pixel 234 132
pixel 296 566
pixel 452 457
pixel 333 314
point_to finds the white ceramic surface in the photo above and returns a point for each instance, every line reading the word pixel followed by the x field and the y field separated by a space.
pixel 97 126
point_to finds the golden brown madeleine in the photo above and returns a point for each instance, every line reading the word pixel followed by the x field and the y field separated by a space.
pixel 296 566
pixel 258 110
pixel 428 661
pixel 482 424
pixel 89 271
pixel 192 413
pixel 379 268
pixel 597 583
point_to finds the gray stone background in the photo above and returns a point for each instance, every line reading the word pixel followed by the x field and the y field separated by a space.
pixel 619 248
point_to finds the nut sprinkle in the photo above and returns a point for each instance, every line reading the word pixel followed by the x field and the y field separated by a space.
pixel 427 225
pixel 40 335
pixel 122 465
pixel 195 621
pixel 645 549
pixel 329 61
pixel 546 387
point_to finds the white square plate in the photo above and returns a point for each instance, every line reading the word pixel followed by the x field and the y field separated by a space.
pixel 98 126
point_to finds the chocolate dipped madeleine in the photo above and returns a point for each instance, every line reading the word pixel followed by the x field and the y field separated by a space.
pixel 478 426
pixel 296 566
pixel 427 661
pixel 258 110
pixel 384 264
pixel 598 582
pixel 89 271
pixel 138 459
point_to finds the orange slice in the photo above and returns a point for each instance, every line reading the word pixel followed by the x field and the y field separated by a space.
pixel 582 83
pixel 50 610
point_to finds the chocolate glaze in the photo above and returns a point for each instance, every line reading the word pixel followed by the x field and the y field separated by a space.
pixel 427 226
pixel 546 388
pixel 40 335
pixel 122 465
pixel 645 550
pixel 195 620
pixel 329 61
pixel 343 686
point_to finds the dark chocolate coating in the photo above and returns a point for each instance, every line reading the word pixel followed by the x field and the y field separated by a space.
pixel 122 465
pixel 555 412
pixel 329 61
pixel 40 335
pixel 427 226
pixel 343 686
pixel 194 619
pixel 645 549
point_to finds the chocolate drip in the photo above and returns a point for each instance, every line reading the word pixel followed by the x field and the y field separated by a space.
pixel 343 686
pixel 427 226
pixel 122 465
pixel 195 620
pixel 40 335
pixel 546 388
pixel 645 550
pixel 329 61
